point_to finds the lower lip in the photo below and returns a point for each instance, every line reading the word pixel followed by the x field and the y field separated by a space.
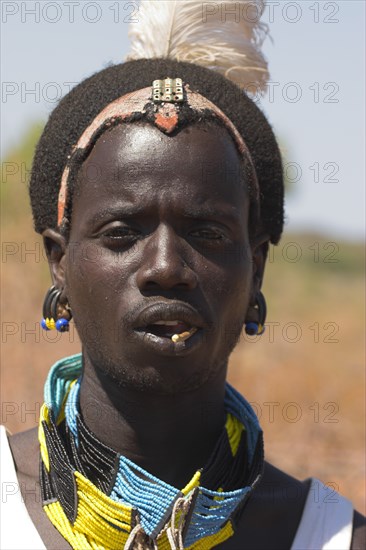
pixel 166 346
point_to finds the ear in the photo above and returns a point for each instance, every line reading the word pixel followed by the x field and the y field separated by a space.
pixel 259 247
pixel 55 247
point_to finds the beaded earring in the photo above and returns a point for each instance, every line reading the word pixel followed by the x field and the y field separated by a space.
pixel 55 315
pixel 257 329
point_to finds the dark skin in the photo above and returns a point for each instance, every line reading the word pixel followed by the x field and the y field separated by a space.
pixel 155 228
pixel 161 236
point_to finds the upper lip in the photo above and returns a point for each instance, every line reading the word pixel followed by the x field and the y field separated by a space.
pixel 169 311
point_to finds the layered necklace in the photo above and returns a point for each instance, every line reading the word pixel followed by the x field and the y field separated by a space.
pixel 98 499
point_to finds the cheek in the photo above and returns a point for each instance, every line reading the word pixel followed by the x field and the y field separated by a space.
pixel 95 270
pixel 95 278
pixel 228 291
pixel 230 277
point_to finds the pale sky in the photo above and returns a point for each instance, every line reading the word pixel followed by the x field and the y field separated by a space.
pixel 315 100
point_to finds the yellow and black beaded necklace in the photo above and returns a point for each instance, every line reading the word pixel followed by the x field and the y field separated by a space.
pixel 99 499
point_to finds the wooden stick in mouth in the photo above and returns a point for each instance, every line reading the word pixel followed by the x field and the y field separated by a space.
pixel 183 335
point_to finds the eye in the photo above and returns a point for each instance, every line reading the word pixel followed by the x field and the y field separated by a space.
pixel 119 236
pixel 209 233
pixel 119 233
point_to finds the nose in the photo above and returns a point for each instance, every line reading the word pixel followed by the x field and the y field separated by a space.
pixel 163 265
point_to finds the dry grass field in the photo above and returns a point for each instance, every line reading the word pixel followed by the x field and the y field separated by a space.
pixel 305 376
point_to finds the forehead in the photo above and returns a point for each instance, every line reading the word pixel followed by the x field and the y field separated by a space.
pixel 136 162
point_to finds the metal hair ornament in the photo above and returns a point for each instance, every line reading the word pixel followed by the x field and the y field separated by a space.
pixel 55 315
pixel 257 329
pixel 169 90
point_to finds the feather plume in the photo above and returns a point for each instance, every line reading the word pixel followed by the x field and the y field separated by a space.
pixel 224 36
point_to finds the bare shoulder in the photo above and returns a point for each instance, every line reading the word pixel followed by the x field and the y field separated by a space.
pixel 272 514
pixel 25 450
pixel 359 532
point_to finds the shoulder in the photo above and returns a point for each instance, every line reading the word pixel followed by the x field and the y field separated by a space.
pixel 24 448
pixel 14 504
pixel 359 532
pixel 271 517
pixel 284 512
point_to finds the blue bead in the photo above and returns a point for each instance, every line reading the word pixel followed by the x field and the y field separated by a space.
pixel 251 328
pixel 62 324
pixel 43 324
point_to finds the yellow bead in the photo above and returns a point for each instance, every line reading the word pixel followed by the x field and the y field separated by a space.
pixel 50 323
pixel 104 524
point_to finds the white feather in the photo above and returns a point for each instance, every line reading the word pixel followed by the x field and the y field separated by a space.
pixel 224 36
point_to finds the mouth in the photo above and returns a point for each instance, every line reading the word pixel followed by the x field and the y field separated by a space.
pixel 170 327
pixel 176 330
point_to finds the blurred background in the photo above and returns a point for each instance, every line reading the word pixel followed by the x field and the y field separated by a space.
pixel 305 376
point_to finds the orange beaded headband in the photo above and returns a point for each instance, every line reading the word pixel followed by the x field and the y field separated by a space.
pixel 166 97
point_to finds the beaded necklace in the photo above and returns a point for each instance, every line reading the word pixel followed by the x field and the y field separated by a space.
pixel 99 499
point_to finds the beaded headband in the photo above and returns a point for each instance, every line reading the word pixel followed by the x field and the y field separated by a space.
pixel 164 98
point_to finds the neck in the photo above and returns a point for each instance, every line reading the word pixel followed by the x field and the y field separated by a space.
pixel 155 430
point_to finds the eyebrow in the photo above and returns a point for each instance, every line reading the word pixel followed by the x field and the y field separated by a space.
pixel 230 214
pixel 213 212
pixel 122 211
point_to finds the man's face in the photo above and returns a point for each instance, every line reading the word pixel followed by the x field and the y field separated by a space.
pixel 159 245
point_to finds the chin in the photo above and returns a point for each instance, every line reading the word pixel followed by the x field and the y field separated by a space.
pixel 158 380
pixel 141 369
pixel 163 377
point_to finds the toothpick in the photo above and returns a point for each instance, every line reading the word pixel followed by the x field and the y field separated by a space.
pixel 183 336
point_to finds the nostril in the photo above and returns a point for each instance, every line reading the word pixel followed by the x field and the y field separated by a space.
pixel 151 285
pixel 182 285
